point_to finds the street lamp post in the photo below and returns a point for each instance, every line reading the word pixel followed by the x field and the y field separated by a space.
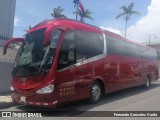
pixel 150 37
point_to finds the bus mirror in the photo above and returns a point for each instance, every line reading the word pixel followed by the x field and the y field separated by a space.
pixel 10 41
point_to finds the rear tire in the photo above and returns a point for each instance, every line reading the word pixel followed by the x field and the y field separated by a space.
pixel 147 82
pixel 95 92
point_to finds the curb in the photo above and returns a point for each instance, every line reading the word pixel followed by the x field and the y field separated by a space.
pixel 6 98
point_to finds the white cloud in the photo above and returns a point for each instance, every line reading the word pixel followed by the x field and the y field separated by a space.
pixel 16 22
pixel 149 24
pixel 112 30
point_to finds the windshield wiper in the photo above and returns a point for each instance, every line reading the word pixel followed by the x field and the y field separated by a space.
pixel 39 69
pixel 27 67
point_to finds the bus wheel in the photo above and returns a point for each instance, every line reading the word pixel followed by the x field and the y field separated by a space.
pixel 95 92
pixel 147 82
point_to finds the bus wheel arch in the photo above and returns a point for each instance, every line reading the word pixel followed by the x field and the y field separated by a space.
pixel 97 85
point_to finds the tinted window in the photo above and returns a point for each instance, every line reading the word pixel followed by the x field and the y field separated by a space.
pixel 120 47
pixel 115 46
pixel 55 38
pixel 89 44
pixel 67 51
pixel 33 51
pixel 155 54
pixel 132 50
pixel 152 54
pixel 148 53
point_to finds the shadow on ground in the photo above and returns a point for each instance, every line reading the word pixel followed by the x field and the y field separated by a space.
pixel 74 109
pixel 5 105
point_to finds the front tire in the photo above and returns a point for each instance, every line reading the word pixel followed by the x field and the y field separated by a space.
pixel 95 92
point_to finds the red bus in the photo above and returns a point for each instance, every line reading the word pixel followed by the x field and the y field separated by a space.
pixel 63 60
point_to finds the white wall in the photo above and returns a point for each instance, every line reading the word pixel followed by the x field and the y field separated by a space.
pixel 5 77
pixel 7 13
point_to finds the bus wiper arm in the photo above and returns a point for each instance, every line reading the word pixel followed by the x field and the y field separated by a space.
pixel 39 69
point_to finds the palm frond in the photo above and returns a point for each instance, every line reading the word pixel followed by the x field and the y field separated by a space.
pixel 121 14
pixel 76 12
pixel 28 28
pixel 58 8
pixel 124 8
pixel 130 6
pixel 87 14
pixel 127 12
pixel 57 12
pixel 61 10
pixel 135 12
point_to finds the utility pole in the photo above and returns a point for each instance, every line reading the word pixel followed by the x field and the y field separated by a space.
pixel 150 38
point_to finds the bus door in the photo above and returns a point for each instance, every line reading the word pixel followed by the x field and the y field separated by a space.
pixel 89 51
pixel 66 69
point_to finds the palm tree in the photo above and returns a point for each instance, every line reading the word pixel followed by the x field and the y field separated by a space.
pixel 28 28
pixel 127 12
pixel 57 13
pixel 87 14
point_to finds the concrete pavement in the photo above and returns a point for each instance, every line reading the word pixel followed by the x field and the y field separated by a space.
pixel 5 77
pixel 132 99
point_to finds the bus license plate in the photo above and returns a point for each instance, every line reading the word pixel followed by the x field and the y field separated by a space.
pixel 23 98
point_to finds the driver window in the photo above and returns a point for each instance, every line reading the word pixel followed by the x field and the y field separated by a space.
pixel 52 48
pixel 55 38
pixel 67 52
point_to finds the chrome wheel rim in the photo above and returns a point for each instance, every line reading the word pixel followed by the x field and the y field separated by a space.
pixel 96 92
pixel 147 84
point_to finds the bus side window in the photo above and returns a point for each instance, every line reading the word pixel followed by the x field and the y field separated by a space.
pixel 88 44
pixel 115 46
pixel 67 54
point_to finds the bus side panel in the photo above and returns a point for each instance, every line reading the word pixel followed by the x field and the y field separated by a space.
pixel 118 72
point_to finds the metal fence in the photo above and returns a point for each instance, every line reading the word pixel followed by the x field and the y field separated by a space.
pixel 3 40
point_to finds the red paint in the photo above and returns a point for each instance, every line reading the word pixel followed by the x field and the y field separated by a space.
pixel 116 72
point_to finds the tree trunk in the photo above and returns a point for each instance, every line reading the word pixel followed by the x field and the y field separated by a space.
pixel 126 27
pixel 81 19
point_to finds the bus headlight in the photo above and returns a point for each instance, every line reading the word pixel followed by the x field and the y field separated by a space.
pixel 47 89
pixel 11 88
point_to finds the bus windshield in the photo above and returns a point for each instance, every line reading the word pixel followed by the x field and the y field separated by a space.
pixel 33 57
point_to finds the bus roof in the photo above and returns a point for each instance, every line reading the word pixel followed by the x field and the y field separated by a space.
pixel 80 26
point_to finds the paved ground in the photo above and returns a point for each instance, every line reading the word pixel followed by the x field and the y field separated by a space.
pixel 133 99
pixel 6 98
pixel 10 55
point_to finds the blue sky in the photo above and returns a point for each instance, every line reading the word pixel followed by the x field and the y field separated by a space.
pixel 31 12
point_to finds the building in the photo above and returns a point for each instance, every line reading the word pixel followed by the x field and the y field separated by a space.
pixel 7 13
pixel 157 47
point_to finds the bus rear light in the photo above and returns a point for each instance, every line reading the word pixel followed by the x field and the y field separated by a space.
pixel 47 89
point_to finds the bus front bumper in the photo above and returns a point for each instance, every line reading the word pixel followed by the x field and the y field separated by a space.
pixel 44 100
